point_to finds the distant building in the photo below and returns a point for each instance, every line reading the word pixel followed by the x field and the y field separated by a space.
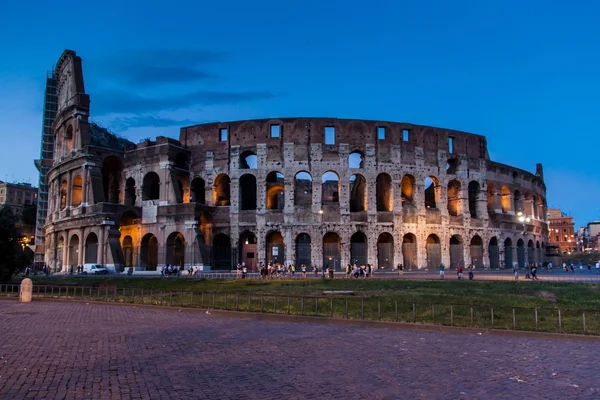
pixel 561 230
pixel 17 196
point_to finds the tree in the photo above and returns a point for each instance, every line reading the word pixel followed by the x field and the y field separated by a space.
pixel 12 255
pixel 29 214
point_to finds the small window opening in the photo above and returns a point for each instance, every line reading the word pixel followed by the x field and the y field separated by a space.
pixel 223 134
pixel 275 131
pixel 405 133
pixel 450 145
pixel 381 132
pixel 329 135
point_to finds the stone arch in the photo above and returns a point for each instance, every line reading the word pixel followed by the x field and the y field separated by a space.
pixel 222 252
pixel 330 192
pixel 68 141
pixel 530 252
pixel 151 186
pixel 356 160
pixel 476 250
pixel 303 249
pixel 492 196
pixel 454 198
pixel 128 251
pixel 506 206
pixel 521 253
pixel 385 251
pixel 182 161
pixel 248 160
pixel 198 190
pixel 358 248
pixel 457 257
pixel 332 251
pixel 221 190
pixel 175 249
pixel 248 255
pixel 474 193
pixel 409 251
pixel 247 192
pixel 112 168
pixel 538 252
pixel 432 192
pixel 76 191
pixel 275 191
pixel 149 252
pixel 63 194
pixel 518 201
pixel 303 189
pixel 91 248
pixel 433 249
pixel 358 193
pixel 508 253
pixel 130 196
pixel 407 190
pixel 494 253
pixel 73 255
pixel 275 248
pixel 384 192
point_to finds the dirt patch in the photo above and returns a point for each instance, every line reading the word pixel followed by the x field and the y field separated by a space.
pixel 547 295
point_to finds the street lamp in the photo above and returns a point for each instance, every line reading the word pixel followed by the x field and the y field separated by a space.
pixel 524 220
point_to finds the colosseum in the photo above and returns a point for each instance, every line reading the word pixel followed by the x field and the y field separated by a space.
pixel 314 191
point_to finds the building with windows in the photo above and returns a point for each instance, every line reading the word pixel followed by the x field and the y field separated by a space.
pixel 561 230
pixel 314 191
pixel 17 196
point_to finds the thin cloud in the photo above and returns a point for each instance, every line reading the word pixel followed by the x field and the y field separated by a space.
pixel 129 103
pixel 121 124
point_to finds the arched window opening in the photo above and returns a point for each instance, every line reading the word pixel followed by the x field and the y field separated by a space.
pixel 476 250
pixel 521 253
pixel 331 251
pixel 275 191
pixel 248 160
pixel 112 168
pixel 385 251
pixel 358 249
pixel 248 255
pixel 433 249
pixel 358 192
pixel 303 189
pixel 68 142
pixel 407 187
pixel 149 252
pixel 331 188
pixel 222 190
pixel 76 191
pixel 508 253
pixel 356 160
pixel 222 252
pixel 73 256
pixel 151 187
pixel 130 195
pixel 474 190
pixel 518 199
pixel 275 248
pixel 454 196
pixel 91 248
pixel 451 166
pixel 198 191
pixel 63 195
pixel 181 161
pixel 176 249
pixel 432 192
pixel 303 250
pixel 409 251
pixel 457 257
pixel 128 251
pixel 491 198
pixel 505 193
pixel 384 192
pixel 494 253
pixel 247 192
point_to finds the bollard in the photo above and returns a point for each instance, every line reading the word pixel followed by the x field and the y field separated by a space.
pixel 536 320
pixel 26 291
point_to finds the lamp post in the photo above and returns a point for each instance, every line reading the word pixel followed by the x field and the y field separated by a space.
pixel 524 220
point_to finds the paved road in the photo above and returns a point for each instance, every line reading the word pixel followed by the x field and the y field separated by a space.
pixel 56 350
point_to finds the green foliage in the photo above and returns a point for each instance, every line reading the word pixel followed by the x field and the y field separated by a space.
pixel 29 215
pixel 12 255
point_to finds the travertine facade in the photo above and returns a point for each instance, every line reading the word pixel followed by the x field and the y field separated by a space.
pixel 296 190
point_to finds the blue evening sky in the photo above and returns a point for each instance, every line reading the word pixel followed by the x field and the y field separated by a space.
pixel 526 74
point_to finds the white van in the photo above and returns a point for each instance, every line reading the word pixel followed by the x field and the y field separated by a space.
pixel 96 269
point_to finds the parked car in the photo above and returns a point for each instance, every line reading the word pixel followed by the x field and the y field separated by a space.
pixel 96 269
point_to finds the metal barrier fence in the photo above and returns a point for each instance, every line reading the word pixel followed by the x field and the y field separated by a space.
pixel 559 320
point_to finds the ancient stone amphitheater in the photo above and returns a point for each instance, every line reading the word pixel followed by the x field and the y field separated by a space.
pixel 314 191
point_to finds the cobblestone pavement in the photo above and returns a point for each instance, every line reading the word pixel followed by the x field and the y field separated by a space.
pixel 59 350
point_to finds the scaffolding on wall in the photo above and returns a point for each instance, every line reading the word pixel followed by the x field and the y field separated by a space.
pixel 45 163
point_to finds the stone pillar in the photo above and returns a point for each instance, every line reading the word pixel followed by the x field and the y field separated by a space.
pixel 261 192
pixel 166 186
pixel 26 291
pixel 81 250
pixel 398 256
pixel 317 187
pixel 290 250
pixel 515 256
pixel 84 185
pixel 371 195
pixel 289 195
pixel 69 181
pixel 234 196
pixel 396 193
pixel 101 245
pixel 66 251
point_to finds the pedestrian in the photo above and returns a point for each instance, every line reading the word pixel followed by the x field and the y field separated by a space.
pixel 534 273
pixel 459 272
pixel 400 269
pixel 244 272
pixel 598 267
pixel 516 273
pixel 303 271
pixel 442 269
